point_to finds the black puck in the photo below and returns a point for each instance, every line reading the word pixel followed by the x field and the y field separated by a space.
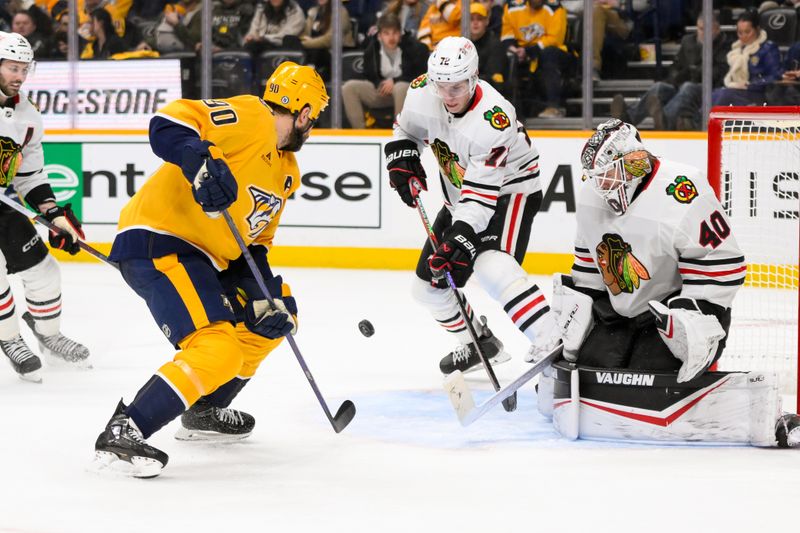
pixel 366 329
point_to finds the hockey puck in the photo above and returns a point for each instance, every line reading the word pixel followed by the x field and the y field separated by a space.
pixel 366 329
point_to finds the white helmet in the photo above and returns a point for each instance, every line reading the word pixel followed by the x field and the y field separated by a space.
pixel 454 59
pixel 615 161
pixel 15 47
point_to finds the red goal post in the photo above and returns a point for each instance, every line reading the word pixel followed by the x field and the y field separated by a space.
pixel 754 168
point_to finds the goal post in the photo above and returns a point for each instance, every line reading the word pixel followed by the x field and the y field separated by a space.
pixel 754 168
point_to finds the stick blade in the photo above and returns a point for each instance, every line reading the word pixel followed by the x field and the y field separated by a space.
pixel 343 416
pixel 460 395
pixel 510 403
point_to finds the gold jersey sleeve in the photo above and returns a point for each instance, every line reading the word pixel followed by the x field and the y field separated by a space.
pixel 243 131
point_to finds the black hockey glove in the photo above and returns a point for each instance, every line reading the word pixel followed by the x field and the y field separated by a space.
pixel 406 174
pixel 272 322
pixel 456 254
pixel 69 229
pixel 213 185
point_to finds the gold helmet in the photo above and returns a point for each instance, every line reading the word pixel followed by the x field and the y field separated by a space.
pixel 295 86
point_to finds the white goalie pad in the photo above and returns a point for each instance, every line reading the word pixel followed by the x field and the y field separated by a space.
pixel 567 402
pixel 726 407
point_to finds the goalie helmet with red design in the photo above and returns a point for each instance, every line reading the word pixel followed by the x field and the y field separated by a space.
pixel 615 161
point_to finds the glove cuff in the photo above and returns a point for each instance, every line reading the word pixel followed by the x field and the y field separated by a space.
pixel 682 302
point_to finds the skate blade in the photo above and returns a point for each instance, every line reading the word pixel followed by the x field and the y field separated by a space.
pixel 107 463
pixel 31 377
pixel 60 363
pixel 207 436
pixel 499 359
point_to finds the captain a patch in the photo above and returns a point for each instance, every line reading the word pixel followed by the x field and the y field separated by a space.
pixel 683 190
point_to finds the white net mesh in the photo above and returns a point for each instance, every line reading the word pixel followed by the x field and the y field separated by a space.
pixel 760 191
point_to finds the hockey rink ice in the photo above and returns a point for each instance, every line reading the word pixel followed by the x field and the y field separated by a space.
pixel 403 465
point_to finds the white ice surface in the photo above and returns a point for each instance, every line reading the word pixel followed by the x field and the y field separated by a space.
pixel 404 464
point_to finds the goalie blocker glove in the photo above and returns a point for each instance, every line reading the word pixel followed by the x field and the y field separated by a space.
pixel 455 254
pixel 69 229
pixel 406 174
pixel 691 336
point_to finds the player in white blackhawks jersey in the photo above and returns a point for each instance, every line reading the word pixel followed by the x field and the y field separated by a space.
pixel 23 253
pixel 489 172
pixel 656 268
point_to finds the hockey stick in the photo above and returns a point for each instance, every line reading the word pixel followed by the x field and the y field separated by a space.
pixel 510 402
pixel 347 410
pixel 13 204
pixel 463 402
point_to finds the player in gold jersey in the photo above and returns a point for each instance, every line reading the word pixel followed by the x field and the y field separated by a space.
pixel 176 252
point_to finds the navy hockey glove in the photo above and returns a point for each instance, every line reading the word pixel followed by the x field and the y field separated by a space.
pixel 456 254
pixel 406 174
pixel 213 185
pixel 69 229
pixel 272 322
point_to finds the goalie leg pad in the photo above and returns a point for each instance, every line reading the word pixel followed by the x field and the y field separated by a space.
pixel 566 400
pixel 718 407
pixel 574 316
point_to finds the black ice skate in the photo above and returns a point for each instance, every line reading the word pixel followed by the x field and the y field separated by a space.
pixel 203 421
pixel 59 348
pixel 24 361
pixel 465 357
pixel 122 450
pixel 787 430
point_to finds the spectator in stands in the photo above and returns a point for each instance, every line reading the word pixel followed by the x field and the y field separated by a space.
pixel 105 41
pixel 317 36
pixel 118 9
pixel 492 59
pixel 410 13
pixel 607 25
pixel 180 28
pixel 755 63
pixel 676 103
pixel 273 21
pixel 443 19
pixel 787 91
pixel 363 13
pixel 495 10
pixel 24 24
pixel 229 22
pixel 535 31
pixel 392 60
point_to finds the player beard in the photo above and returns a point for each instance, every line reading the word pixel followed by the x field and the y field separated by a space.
pixel 9 91
pixel 296 139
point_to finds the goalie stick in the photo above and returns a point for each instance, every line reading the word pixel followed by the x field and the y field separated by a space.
pixel 16 206
pixel 347 410
pixel 461 396
pixel 510 401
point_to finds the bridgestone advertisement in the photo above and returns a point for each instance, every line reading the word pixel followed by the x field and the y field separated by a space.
pixel 112 95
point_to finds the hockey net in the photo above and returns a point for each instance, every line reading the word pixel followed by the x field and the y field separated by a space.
pixel 754 167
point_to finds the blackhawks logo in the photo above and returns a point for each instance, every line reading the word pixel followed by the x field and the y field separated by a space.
pixel 621 271
pixel 682 190
pixel 497 118
pixel 419 81
pixel 448 162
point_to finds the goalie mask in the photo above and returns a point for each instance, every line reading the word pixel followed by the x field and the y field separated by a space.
pixel 615 161
pixel 10 158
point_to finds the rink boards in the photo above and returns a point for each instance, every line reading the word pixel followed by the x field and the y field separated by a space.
pixel 345 215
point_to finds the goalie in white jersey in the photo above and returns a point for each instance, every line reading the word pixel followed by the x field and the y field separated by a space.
pixel 656 270
pixel 23 252
pixel 489 172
